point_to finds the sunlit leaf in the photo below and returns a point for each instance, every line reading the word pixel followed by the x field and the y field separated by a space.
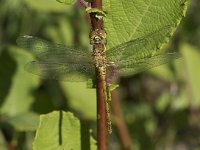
pixel 89 1
pixel 67 2
pixel 2 142
pixel 81 98
pixel 191 73
pixel 46 5
pixel 20 84
pixel 58 130
pixel 24 122
pixel 127 20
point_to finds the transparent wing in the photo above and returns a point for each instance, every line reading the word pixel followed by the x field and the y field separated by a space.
pixel 62 56
pixel 140 48
pixel 56 61
pixel 38 46
pixel 132 66
pixel 65 72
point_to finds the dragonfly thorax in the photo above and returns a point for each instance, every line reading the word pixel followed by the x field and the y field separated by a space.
pixel 98 39
pixel 97 36
pixel 99 58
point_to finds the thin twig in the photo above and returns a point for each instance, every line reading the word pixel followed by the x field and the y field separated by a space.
pixel 101 113
pixel 120 122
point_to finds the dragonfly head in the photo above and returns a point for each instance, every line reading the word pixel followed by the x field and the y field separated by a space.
pixel 98 36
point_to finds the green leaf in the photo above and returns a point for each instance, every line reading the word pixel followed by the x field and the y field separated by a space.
pixel 81 98
pixel 89 1
pixel 46 5
pixel 164 71
pixel 163 102
pixel 24 122
pixel 90 83
pixel 66 2
pixel 99 13
pixel 16 83
pixel 191 73
pixel 113 87
pixel 58 131
pixel 180 102
pixel 93 143
pixel 130 19
pixel 110 88
pixel 2 142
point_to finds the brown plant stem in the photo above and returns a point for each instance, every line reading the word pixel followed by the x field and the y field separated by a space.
pixel 120 122
pixel 101 113
pixel 101 117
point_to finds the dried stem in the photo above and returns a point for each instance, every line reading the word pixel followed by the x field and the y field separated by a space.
pixel 120 122
pixel 101 113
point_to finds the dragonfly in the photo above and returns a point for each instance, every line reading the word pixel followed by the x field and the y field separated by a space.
pixel 57 61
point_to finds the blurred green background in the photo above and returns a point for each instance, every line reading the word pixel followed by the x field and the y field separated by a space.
pixel 160 107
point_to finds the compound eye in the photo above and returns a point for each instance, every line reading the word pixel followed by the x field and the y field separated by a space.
pixel 102 33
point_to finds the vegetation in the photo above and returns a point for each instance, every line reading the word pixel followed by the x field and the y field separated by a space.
pixel 159 107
